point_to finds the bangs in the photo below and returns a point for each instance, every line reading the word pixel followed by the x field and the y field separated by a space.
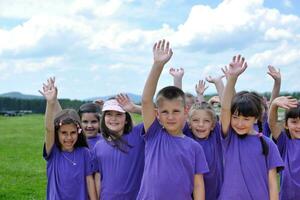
pixel 246 107
pixel 293 113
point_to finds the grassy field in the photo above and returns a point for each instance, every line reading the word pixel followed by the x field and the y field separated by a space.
pixel 22 167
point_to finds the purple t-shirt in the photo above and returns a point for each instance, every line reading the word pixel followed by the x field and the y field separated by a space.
pixel 93 140
pixel 246 168
pixel 290 176
pixel 67 172
pixel 213 152
pixel 170 165
pixel 121 172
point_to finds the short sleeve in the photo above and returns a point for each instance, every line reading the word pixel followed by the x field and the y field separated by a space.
pixel 225 141
pixel 274 159
pixel 46 156
pixel 153 130
pixel 89 162
pixel 201 164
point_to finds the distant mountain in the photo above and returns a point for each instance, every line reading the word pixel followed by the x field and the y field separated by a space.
pixel 134 97
pixel 19 95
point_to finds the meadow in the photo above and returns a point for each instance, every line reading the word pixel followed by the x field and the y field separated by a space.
pixel 22 167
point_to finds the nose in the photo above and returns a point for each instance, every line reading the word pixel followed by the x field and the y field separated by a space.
pixel 170 116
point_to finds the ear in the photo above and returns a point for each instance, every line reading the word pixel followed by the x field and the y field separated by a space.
pixel 186 111
pixel 156 113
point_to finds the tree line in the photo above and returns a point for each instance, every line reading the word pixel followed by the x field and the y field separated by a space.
pixel 34 105
pixel 39 105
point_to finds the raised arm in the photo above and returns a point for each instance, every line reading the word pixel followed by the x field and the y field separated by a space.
pixel 177 76
pixel 162 53
pixel 200 89
pixel 50 94
pixel 285 102
pixel 217 81
pixel 128 105
pixel 236 67
pixel 275 74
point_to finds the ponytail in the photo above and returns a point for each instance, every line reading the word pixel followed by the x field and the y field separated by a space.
pixel 264 145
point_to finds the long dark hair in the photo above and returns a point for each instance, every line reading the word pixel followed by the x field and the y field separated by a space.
pixel 249 104
pixel 114 138
pixel 69 116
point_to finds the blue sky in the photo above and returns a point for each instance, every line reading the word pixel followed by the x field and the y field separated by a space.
pixel 99 48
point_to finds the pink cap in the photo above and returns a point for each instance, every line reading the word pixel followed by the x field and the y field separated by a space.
pixel 112 104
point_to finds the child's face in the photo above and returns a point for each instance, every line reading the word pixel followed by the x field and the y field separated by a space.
pixel 67 136
pixel 201 123
pixel 172 115
pixel 115 121
pixel 293 124
pixel 241 124
pixel 90 124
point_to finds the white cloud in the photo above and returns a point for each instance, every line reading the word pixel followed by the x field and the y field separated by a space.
pixel 29 65
pixel 282 56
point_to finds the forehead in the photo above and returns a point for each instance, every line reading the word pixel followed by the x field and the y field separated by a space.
pixel 68 127
pixel 88 116
pixel 200 113
pixel 113 112
pixel 170 104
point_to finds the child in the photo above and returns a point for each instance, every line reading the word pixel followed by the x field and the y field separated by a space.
pixel 90 121
pixel 119 155
pixel 205 130
pixel 251 159
pixel 174 163
pixel 68 160
pixel 288 144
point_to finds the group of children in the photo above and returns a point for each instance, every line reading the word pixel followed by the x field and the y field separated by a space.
pixel 182 150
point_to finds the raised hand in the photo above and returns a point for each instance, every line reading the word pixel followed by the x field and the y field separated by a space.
pixel 211 79
pixel 125 102
pixel 99 102
pixel 237 66
pixel 176 73
pixel 200 87
pixel 162 52
pixel 225 72
pixel 49 89
pixel 275 74
pixel 285 102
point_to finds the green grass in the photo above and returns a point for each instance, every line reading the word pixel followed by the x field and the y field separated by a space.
pixel 22 167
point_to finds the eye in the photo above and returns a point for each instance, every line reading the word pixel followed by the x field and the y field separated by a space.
pixel 84 121
pixel 94 121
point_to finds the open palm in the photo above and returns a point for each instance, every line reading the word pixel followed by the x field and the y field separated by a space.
pixel 162 52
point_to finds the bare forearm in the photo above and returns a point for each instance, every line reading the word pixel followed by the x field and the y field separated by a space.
pixel 91 187
pixel 151 83
pixel 178 82
pixel 220 88
pixel 98 184
pixel 49 125
pixel 272 120
pixel 275 90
